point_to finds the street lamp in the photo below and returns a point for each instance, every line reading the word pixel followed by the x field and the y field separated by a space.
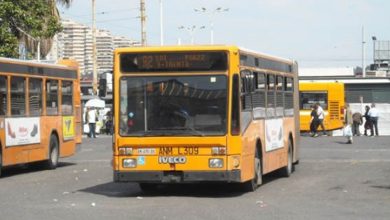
pixel 191 30
pixel 161 24
pixel 373 41
pixel 211 16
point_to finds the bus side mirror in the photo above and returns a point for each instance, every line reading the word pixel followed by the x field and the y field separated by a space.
pixel 102 87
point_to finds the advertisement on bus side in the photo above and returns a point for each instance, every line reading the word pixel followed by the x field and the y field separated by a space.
pixel 68 127
pixel 20 131
pixel 273 134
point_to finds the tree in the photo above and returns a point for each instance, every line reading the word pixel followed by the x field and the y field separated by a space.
pixel 24 21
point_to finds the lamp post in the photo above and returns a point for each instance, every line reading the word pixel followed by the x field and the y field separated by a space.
pixel 373 52
pixel 161 24
pixel 363 54
pixel 191 30
pixel 211 13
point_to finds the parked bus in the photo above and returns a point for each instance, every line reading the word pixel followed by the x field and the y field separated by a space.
pixel 203 113
pixel 40 118
pixel 330 96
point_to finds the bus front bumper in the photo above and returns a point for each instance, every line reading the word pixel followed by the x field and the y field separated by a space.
pixel 177 176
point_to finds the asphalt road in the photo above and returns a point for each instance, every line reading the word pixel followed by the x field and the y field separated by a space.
pixel 333 181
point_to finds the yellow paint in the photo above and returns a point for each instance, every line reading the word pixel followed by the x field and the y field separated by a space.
pixel 240 147
pixel 68 127
pixel 334 115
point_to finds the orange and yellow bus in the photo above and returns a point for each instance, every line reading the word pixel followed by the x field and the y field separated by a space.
pixel 330 95
pixel 40 118
pixel 203 113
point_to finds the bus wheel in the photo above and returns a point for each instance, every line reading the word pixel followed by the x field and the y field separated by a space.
pixel 52 162
pixel 287 170
pixel 253 184
pixel 147 187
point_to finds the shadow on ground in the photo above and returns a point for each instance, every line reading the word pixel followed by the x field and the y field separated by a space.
pixel 29 168
pixel 205 190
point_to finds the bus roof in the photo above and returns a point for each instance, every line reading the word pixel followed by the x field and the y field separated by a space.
pixel 34 63
pixel 201 48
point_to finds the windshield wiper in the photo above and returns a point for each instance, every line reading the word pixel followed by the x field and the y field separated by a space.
pixel 167 131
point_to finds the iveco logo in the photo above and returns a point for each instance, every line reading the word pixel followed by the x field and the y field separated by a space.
pixel 172 160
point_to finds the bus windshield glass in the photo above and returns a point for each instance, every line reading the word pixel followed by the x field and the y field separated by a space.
pixel 173 105
pixel 308 99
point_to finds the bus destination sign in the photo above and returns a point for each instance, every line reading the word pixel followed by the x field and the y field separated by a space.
pixel 173 61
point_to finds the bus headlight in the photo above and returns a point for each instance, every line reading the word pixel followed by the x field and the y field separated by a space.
pixel 125 151
pixel 215 163
pixel 129 163
pixel 218 150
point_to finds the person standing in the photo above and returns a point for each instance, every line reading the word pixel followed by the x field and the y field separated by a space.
pixel 357 121
pixel 368 123
pixel 313 121
pixel 348 123
pixel 92 118
pixel 321 116
pixel 374 114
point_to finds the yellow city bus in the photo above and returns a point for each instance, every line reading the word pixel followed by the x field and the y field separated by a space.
pixel 40 118
pixel 203 113
pixel 330 95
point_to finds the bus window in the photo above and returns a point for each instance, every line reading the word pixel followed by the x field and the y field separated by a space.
pixel 51 97
pixel 67 97
pixel 288 96
pixel 246 90
pixel 18 98
pixel 271 95
pixel 307 99
pixel 3 95
pixel 35 96
pixel 259 96
pixel 279 96
pixel 235 124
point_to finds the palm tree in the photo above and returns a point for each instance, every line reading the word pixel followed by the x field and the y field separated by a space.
pixel 45 42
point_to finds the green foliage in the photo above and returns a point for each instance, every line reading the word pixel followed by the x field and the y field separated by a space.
pixel 37 18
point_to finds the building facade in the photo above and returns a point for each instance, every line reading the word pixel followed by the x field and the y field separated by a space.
pixel 75 41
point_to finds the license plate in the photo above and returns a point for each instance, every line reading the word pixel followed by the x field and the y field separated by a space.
pixel 178 151
pixel 146 151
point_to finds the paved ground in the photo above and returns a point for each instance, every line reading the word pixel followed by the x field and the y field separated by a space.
pixel 333 181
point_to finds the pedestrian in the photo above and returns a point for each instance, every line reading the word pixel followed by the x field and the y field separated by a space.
pixel 368 123
pixel 92 119
pixel 347 124
pixel 357 121
pixel 313 121
pixel 321 116
pixel 374 114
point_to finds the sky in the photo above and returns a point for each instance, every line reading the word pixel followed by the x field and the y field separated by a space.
pixel 316 33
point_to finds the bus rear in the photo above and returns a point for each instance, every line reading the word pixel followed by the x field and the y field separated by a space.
pixel 330 95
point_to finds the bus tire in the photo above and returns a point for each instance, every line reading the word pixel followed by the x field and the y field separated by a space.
pixel 54 153
pixel 148 187
pixel 287 170
pixel 253 184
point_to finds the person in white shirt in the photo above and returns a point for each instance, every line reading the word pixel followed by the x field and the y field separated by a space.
pixel 374 114
pixel 321 116
pixel 92 118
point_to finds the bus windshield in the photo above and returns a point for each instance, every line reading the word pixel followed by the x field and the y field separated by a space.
pixel 173 105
